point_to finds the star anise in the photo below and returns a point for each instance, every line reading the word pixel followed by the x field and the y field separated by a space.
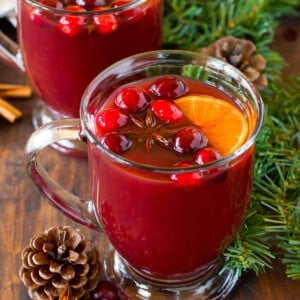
pixel 149 130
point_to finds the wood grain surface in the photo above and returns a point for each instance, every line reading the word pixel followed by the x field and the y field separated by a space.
pixel 24 213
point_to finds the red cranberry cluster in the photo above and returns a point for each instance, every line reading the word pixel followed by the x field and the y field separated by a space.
pixel 203 156
pixel 73 24
pixel 150 115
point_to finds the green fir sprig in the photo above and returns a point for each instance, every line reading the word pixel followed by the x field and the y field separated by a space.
pixel 274 214
pixel 272 226
pixel 197 23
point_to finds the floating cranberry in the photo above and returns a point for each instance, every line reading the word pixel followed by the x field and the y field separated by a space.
pixel 207 155
pixel 110 119
pixel 189 140
pixel 166 111
pixel 132 99
pixel 72 24
pixel 169 87
pixel 105 23
pixel 105 291
pixel 115 141
pixel 187 179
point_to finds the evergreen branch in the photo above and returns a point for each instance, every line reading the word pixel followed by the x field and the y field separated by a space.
pixel 250 250
pixel 273 218
pixel 277 178
pixel 196 23
pixel 292 258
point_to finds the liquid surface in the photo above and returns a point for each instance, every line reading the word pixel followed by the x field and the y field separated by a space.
pixel 166 120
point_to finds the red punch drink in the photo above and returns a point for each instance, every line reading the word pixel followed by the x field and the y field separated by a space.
pixel 65 43
pixel 156 220
pixel 170 140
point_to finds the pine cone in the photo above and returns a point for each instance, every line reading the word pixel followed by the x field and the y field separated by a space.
pixel 60 264
pixel 240 54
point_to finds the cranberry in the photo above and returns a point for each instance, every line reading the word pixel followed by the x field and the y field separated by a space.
pixel 132 99
pixel 166 111
pixel 187 179
pixel 105 291
pixel 169 87
pixel 105 23
pixel 115 141
pixel 189 140
pixel 71 24
pixel 110 119
pixel 207 155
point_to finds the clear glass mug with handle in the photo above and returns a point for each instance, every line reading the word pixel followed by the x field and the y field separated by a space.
pixel 168 215
pixel 62 47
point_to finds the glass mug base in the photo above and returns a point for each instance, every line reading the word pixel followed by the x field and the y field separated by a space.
pixel 216 282
pixel 42 115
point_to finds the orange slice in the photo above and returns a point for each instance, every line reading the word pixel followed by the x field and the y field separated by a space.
pixel 224 125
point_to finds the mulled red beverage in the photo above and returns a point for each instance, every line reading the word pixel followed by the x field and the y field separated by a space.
pixel 170 122
pixel 170 138
pixel 66 43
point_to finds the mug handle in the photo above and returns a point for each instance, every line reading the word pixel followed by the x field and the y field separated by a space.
pixel 10 52
pixel 79 210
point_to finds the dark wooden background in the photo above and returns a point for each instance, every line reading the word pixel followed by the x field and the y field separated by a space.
pixel 23 213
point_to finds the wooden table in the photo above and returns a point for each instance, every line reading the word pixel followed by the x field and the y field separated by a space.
pixel 24 213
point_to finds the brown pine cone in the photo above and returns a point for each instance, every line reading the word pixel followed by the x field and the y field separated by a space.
pixel 240 54
pixel 60 264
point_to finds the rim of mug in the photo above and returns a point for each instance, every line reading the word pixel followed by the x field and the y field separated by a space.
pixel 118 9
pixel 86 130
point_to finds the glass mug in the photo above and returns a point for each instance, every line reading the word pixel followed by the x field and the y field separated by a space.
pixel 64 48
pixel 167 238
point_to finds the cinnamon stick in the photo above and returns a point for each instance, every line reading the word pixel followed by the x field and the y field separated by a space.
pixel 8 111
pixel 24 92
pixel 9 86
pixel 15 90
